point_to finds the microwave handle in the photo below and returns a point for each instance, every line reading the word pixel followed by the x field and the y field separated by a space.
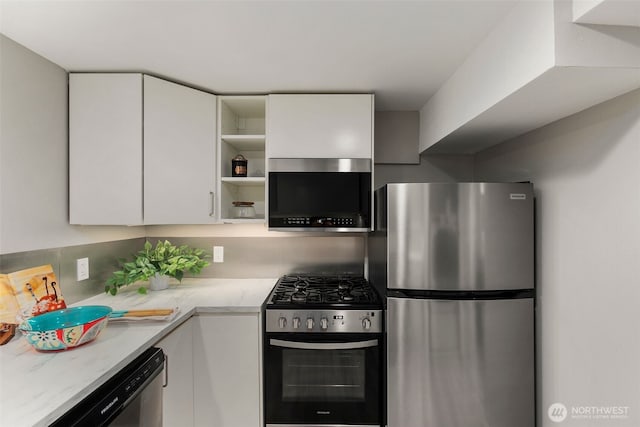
pixel 323 345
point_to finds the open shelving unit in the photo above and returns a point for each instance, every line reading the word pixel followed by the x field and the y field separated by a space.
pixel 241 130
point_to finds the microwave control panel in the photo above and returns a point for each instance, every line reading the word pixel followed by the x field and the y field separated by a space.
pixel 321 222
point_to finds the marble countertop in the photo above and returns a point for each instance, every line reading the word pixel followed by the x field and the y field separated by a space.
pixel 36 388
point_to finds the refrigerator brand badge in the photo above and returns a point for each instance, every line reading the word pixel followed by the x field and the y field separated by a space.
pixel 517 196
pixel 557 412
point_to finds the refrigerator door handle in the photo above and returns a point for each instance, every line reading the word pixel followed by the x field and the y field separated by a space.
pixel 324 345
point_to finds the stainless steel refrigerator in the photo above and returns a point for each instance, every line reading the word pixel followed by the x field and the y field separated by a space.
pixel 456 263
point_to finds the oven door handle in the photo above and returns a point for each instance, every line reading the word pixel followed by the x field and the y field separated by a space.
pixel 324 345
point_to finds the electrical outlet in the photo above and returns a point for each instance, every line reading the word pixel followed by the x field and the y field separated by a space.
pixel 218 254
pixel 82 269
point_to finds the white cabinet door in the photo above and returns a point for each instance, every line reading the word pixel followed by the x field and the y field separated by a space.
pixel 179 153
pixel 177 397
pixel 227 370
pixel 320 126
pixel 105 149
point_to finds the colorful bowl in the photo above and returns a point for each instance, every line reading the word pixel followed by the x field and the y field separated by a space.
pixel 66 328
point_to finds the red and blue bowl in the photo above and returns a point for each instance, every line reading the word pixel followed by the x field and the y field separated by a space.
pixel 66 328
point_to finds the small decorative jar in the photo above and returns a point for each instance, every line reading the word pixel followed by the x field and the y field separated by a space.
pixel 243 210
pixel 239 166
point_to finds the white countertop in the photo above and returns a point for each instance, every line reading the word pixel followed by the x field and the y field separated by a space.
pixel 36 388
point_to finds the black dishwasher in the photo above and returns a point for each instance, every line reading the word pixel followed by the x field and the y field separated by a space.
pixel 132 397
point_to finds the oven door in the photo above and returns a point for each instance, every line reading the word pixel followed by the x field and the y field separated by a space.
pixel 323 379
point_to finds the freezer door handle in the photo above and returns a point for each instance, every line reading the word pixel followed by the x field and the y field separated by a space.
pixel 323 345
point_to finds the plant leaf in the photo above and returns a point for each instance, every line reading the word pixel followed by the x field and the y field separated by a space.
pixel 164 258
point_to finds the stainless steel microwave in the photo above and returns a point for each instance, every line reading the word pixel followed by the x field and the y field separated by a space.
pixel 320 195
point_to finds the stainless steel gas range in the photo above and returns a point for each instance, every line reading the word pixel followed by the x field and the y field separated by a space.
pixel 323 352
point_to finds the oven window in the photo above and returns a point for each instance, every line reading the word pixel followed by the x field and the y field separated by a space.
pixel 323 376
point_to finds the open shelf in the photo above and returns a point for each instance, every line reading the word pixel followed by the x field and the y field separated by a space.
pixel 242 115
pixel 245 142
pixel 257 220
pixel 241 191
pixel 242 131
pixel 242 181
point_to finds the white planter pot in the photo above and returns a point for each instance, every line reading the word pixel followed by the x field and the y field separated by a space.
pixel 158 282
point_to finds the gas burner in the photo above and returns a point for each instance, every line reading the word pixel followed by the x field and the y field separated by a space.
pixel 303 290
pixel 299 296
pixel 301 284
pixel 347 297
pixel 345 285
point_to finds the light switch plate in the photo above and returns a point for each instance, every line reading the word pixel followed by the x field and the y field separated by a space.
pixel 218 254
pixel 82 269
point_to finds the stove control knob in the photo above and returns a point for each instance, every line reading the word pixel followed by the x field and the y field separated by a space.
pixel 282 322
pixel 296 322
pixel 324 323
pixel 366 323
pixel 309 322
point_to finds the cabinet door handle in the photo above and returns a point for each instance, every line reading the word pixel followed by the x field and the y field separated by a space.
pixel 166 371
pixel 212 212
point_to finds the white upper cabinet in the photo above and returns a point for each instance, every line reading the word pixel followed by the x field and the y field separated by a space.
pixel 105 149
pixel 141 150
pixel 179 154
pixel 320 126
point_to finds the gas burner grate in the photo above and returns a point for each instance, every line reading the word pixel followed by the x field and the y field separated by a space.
pixel 302 290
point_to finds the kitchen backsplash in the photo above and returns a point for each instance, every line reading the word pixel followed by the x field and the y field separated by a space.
pixel 103 260
pixel 244 257
pixel 265 257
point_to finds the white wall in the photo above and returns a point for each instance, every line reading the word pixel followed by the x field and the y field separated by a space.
pixel 607 12
pixel 597 45
pixel 519 48
pixel 34 157
pixel 586 171
pixel 432 168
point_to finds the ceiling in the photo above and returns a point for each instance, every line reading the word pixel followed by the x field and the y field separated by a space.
pixel 400 50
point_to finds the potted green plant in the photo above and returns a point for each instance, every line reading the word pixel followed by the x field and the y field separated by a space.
pixel 157 263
